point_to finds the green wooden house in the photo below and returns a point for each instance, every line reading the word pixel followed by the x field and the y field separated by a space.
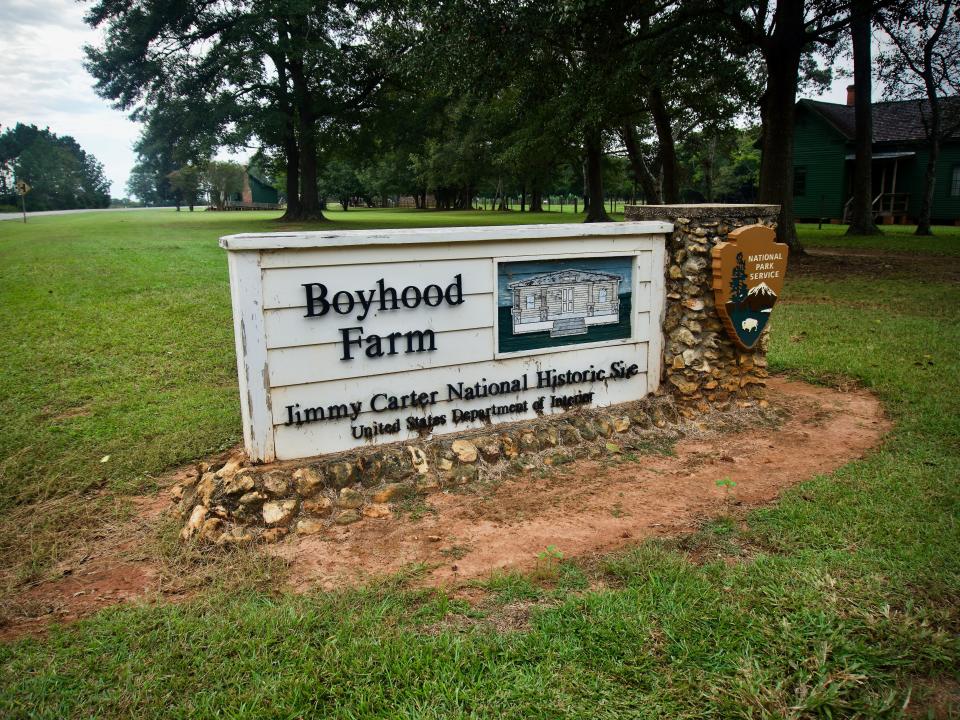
pixel 257 193
pixel 824 152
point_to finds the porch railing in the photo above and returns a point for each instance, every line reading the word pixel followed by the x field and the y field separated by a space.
pixel 883 204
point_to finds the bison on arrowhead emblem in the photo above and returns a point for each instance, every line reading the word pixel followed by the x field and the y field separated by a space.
pixel 748 273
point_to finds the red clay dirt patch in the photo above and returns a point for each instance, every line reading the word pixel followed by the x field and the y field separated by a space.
pixel 590 507
pixel 105 575
pixel 581 509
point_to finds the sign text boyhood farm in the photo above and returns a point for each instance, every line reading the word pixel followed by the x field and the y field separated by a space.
pixel 464 327
pixel 385 299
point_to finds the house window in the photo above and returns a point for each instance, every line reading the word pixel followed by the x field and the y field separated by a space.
pixel 799 181
pixel 531 302
pixel 603 295
pixel 955 182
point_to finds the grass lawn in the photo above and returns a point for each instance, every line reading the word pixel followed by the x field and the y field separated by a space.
pixel 119 344
pixel 895 238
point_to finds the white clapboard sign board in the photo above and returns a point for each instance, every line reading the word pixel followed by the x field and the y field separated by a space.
pixel 351 338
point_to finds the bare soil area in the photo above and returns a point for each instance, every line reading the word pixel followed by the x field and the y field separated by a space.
pixel 590 507
pixel 580 509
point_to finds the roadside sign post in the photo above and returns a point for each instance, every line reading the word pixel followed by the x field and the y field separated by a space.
pixel 22 189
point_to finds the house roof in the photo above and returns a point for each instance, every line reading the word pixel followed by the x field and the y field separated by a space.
pixel 563 277
pixel 896 121
pixel 255 173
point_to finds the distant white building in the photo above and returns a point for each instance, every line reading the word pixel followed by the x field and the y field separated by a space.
pixel 565 302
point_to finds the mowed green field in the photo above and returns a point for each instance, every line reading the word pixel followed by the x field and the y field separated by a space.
pixel 843 600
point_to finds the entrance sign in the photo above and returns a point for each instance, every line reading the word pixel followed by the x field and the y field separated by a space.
pixel 748 274
pixel 346 339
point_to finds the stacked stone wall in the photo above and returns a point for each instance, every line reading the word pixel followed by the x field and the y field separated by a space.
pixel 233 501
pixel 702 366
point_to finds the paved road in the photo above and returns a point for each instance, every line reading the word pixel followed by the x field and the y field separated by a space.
pixel 18 216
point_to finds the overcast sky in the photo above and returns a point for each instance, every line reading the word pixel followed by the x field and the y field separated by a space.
pixel 45 83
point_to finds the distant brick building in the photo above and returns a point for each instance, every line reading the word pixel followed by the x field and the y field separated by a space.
pixel 257 193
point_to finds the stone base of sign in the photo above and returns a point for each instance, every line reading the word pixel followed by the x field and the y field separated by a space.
pixel 236 502
pixel 702 366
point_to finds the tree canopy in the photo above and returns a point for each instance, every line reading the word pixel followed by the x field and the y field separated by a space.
pixel 61 174
pixel 360 101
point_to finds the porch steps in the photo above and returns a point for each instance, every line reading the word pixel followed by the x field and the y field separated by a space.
pixel 568 326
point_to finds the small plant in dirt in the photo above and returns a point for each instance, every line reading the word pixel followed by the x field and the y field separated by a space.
pixel 415 505
pixel 548 564
pixel 728 485
pixel 455 552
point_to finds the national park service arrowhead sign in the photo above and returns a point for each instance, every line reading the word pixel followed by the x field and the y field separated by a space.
pixel 748 273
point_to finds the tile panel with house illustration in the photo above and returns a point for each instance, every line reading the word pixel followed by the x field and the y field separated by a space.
pixel 569 301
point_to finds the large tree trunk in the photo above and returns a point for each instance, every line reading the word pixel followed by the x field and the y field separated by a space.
pixel 641 171
pixel 933 139
pixel 306 129
pixel 668 149
pixel 782 54
pixel 586 186
pixel 930 177
pixel 499 199
pixel 291 150
pixel 292 154
pixel 536 199
pixel 709 163
pixel 861 209
pixel 593 144
pixel 309 197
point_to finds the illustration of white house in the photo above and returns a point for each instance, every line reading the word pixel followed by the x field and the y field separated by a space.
pixel 565 302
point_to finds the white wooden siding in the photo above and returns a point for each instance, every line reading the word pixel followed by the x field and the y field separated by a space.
pixel 293 442
pixel 437 378
pixel 283 287
pixel 287 327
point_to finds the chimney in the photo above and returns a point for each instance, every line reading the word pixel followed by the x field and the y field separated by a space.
pixel 851 95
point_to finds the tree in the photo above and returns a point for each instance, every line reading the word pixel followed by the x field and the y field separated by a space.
pixel 339 180
pixel 223 179
pixel 188 180
pixel 551 52
pixel 720 166
pixel 141 184
pixel 738 280
pixel 282 70
pixel 61 174
pixel 861 209
pixel 737 176
pixel 174 135
pixel 924 63
pixel 785 34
